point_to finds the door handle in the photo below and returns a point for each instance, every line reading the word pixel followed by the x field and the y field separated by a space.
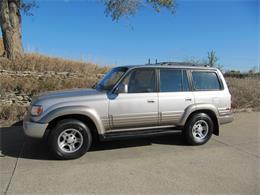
pixel 188 99
pixel 150 101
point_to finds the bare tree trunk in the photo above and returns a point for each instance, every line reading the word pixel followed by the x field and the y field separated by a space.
pixel 10 21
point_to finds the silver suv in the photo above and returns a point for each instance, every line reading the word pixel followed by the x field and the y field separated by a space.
pixel 132 101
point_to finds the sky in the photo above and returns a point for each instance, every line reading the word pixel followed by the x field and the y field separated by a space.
pixel 80 30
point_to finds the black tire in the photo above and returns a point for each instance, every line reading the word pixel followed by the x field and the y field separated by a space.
pixel 80 131
pixel 203 136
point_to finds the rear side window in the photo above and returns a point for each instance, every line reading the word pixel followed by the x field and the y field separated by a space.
pixel 172 80
pixel 205 80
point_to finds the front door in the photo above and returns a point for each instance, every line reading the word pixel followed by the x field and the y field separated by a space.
pixel 137 105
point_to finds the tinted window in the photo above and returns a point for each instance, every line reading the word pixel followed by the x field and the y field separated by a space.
pixel 205 80
pixel 173 80
pixel 141 81
pixel 111 78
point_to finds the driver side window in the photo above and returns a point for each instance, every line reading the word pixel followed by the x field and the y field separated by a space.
pixel 141 81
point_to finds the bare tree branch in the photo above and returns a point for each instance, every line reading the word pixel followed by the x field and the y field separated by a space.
pixel 119 8
pixel 28 6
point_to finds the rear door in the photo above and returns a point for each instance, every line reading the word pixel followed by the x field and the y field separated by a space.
pixel 175 95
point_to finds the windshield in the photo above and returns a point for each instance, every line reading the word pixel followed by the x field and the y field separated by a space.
pixel 111 78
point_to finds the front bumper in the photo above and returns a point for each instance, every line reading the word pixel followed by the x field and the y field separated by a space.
pixel 34 129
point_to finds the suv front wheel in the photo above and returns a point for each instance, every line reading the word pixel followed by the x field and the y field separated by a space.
pixel 198 129
pixel 70 139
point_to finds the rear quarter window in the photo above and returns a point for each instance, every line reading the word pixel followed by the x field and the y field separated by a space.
pixel 203 81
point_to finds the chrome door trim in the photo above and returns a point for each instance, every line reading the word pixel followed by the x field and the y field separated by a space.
pixel 142 128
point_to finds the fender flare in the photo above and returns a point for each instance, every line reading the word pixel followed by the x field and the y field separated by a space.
pixel 79 110
pixel 196 107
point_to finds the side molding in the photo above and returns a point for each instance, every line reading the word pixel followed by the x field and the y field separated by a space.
pixel 81 110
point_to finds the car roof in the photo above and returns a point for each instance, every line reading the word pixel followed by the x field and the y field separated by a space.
pixel 176 65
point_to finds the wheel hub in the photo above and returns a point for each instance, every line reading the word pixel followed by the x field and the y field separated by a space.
pixel 70 140
pixel 200 129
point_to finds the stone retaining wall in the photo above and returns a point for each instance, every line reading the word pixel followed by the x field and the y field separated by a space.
pixel 21 99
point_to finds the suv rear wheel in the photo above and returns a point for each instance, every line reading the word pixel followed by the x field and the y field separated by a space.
pixel 198 129
pixel 70 139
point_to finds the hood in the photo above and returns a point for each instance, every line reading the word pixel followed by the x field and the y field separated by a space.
pixel 69 93
pixel 66 94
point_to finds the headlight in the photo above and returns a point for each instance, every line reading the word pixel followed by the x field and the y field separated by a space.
pixel 36 110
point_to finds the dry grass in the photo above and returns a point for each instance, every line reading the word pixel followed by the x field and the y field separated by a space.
pixel 35 62
pixel 41 63
pixel 12 113
pixel 88 74
pixel 245 92
pixel 31 85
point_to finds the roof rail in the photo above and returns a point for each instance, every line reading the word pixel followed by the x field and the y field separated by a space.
pixel 179 64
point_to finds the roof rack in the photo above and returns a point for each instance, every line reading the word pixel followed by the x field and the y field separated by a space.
pixel 178 64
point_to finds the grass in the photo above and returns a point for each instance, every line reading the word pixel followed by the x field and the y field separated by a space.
pixel 86 74
pixel 245 91
pixel 41 63
pixel 32 85
pixel 12 113
pixel 77 75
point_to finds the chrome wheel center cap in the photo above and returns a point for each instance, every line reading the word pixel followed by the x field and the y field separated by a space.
pixel 200 128
pixel 70 140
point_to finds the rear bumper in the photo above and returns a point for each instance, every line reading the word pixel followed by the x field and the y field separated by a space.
pixel 227 118
pixel 34 129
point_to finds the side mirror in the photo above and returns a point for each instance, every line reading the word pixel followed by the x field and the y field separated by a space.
pixel 122 88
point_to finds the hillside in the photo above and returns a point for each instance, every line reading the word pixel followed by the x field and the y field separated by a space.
pixel 36 73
